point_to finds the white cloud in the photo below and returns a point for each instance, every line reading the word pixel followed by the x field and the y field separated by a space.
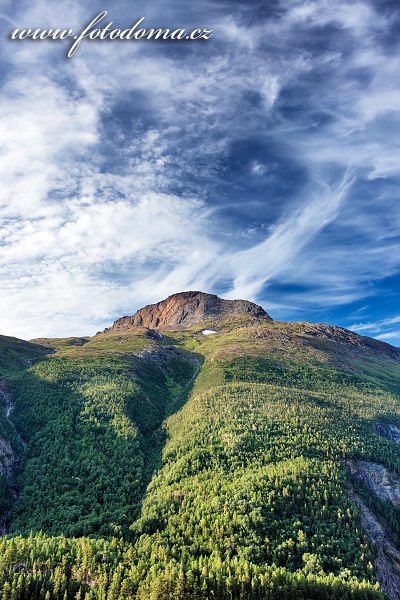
pixel 45 134
pixel 99 213
pixel 359 327
pixel 382 329
pixel 70 270
pixel 257 168
pixel 393 335
pixel 254 267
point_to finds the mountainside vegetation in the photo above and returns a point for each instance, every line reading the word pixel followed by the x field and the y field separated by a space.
pixel 185 466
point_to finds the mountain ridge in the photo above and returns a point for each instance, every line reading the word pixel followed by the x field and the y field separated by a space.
pixel 186 309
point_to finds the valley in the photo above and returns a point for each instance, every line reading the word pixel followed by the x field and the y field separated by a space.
pixel 158 462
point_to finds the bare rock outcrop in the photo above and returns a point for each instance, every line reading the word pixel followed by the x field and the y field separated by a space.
pixel 7 458
pixel 386 486
pixel 390 432
pixel 188 309
pixel 387 563
pixel 378 479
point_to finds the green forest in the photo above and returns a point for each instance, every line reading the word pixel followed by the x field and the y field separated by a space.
pixel 193 467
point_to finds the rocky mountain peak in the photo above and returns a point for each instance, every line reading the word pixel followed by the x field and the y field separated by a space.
pixel 187 309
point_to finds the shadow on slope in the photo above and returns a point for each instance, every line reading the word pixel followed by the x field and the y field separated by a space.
pixel 91 416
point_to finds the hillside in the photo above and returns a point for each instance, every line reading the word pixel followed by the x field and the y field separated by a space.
pixel 261 461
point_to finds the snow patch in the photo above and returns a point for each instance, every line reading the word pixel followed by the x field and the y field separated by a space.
pixel 208 331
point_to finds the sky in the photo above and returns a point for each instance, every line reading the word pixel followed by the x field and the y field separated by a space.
pixel 262 163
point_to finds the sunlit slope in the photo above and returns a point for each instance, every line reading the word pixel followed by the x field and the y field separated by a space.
pixel 199 466
pixel 253 466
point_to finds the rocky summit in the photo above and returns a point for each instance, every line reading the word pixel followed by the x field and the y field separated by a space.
pixel 187 309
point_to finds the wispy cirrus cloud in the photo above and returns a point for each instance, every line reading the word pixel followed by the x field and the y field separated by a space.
pixel 137 170
pixel 385 329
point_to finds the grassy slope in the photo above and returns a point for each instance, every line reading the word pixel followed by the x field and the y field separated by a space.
pixel 251 470
pixel 252 467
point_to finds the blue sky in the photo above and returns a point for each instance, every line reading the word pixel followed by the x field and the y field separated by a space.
pixel 262 163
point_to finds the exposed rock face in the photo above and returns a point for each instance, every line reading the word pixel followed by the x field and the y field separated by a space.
pixel 377 478
pixel 391 432
pixel 387 563
pixel 386 485
pixel 7 458
pixel 187 309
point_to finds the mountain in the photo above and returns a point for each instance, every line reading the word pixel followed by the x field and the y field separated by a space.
pixel 188 309
pixel 153 461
